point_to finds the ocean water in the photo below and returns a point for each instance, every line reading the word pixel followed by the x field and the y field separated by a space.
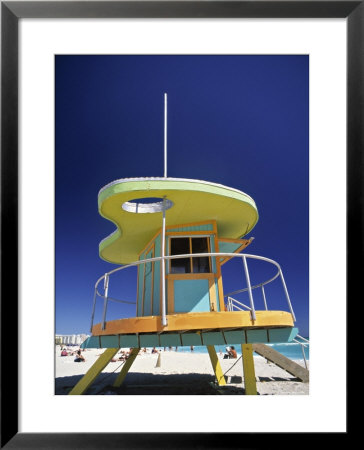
pixel 291 350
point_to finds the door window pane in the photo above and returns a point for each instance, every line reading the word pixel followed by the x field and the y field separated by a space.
pixel 200 264
pixel 180 246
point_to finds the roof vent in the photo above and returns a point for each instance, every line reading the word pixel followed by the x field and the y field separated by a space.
pixel 147 205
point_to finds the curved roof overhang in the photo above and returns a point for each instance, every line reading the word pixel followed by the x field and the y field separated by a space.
pixel 193 201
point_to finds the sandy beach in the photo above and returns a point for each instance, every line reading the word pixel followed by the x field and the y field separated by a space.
pixel 179 373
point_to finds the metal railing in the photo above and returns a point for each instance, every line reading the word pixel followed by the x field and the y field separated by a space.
pixel 233 304
pixel 232 301
pixel 303 345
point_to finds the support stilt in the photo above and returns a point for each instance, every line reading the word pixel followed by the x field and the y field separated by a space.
pixel 125 369
pixel 90 376
pixel 216 365
pixel 248 368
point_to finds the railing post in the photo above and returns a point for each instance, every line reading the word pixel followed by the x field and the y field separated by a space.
pixel 93 311
pixel 287 296
pixel 303 353
pixel 249 288
pixel 264 299
pixel 164 319
pixel 106 292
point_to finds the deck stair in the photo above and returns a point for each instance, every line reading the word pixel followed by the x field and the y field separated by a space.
pixel 282 361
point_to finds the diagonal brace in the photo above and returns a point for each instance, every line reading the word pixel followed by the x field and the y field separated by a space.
pixel 216 366
pixel 90 376
pixel 125 369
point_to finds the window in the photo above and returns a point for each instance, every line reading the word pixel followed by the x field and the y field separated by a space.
pixel 187 245
pixel 200 265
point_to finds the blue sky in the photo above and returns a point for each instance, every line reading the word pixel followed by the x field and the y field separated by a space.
pixel 238 120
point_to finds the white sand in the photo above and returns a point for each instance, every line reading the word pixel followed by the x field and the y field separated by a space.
pixel 180 373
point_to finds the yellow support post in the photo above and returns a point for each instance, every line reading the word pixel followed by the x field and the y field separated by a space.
pixel 216 366
pixel 126 367
pixel 94 371
pixel 248 368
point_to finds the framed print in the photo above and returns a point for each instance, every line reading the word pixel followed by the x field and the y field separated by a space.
pixel 47 44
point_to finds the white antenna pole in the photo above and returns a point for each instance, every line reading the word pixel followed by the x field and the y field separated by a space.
pixel 163 266
pixel 165 135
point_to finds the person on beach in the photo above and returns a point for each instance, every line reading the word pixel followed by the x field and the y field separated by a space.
pixel 64 352
pixel 124 355
pixel 191 348
pixel 154 350
pixel 79 357
pixel 231 353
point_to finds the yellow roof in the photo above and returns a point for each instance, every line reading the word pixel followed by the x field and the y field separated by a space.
pixel 192 201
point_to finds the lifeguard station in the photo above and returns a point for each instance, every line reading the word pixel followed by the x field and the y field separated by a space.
pixel 179 233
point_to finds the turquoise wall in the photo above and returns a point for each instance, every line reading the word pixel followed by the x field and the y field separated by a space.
pixel 191 296
pixel 228 247
pixel 206 227
pixel 148 282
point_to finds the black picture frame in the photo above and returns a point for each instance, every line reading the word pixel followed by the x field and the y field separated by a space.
pixel 11 12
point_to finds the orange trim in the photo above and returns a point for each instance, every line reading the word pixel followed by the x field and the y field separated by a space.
pixel 196 321
pixel 219 277
pixel 190 276
pixel 221 293
pixel 209 251
pixel 214 225
pixel 212 294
